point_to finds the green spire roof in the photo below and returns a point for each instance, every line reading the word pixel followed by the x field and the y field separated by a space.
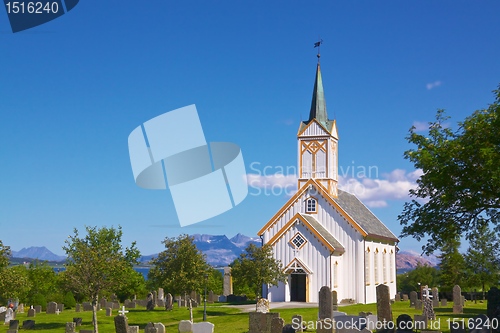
pixel 318 103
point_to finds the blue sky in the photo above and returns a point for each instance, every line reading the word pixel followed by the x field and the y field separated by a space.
pixel 72 90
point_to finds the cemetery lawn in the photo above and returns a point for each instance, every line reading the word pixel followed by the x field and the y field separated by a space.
pixel 225 319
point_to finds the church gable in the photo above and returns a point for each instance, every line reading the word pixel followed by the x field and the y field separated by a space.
pixel 313 128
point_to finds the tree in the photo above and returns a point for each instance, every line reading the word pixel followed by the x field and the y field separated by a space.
pixel 422 275
pixel 180 268
pixel 4 255
pixel 97 263
pixel 14 283
pixel 451 265
pixel 44 283
pixel 459 189
pixel 256 267
pixel 483 258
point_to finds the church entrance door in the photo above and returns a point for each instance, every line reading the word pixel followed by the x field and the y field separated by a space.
pixel 298 287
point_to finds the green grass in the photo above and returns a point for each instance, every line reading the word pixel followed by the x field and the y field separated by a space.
pixel 225 319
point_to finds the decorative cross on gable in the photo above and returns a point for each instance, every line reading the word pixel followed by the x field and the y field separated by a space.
pixel 122 311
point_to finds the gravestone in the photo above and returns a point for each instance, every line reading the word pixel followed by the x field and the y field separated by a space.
pixel 38 308
pixel 228 282
pixel 262 305
pixel 325 310
pixel 261 322
pixel 222 299
pixel 150 328
pixel 444 302
pixel 151 304
pixel 288 328
pixel 155 297
pixel 160 328
pixel 31 312
pixel 185 326
pixel 429 309
pixel 405 297
pixel 51 308
pixel 493 308
pixel 109 312
pixel 413 298
pixel 78 321
pixel 14 325
pixel 404 323
pixel 161 294
pixel 121 324
pixel 297 323
pixel 103 302
pixel 418 304
pixel 133 329
pixel 60 307
pixel 20 308
pixel 435 297
pixel 457 300
pixel 210 297
pixel 277 325
pixel 168 302
pixel 335 301
pixel 87 306
pixel 29 325
pixel 70 327
pixel 420 322
pixel 384 311
pixel 77 307
pixel 204 327
pixel 397 298
pixel 8 315
pixel 479 324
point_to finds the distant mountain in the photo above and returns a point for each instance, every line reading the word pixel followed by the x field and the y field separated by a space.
pixel 40 253
pixel 218 249
pixel 408 260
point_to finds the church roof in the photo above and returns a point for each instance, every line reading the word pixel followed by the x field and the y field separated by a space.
pixel 324 233
pixel 350 207
pixel 318 104
pixel 373 227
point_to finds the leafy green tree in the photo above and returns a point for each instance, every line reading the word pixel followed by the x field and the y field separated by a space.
pixel 422 275
pixel 451 265
pixel 4 255
pixel 256 267
pixel 133 284
pixel 483 258
pixel 180 268
pixel 459 190
pixel 14 283
pixel 215 281
pixel 44 282
pixel 97 263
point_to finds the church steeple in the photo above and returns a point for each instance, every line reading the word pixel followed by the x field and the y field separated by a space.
pixel 318 143
pixel 318 103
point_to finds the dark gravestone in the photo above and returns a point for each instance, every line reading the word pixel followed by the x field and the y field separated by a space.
pixel 325 310
pixel 60 307
pixel 169 302
pixel 404 323
pixel 31 312
pixel 121 324
pixel 78 321
pixel 261 322
pixel 211 297
pixel 384 311
pixel 418 304
pixel 457 300
pixel 413 298
pixel 51 307
pixel 335 301
pixel 277 325
pixel 457 326
pixel 14 325
pixel 435 297
pixel 405 297
pixel 444 302
pixel 420 322
pixel 103 302
pixel 78 307
pixel 29 324
pixel 109 312
pixel 150 328
pixel 151 302
pixel 297 323
pixel 87 306
pixel 493 308
pixel 397 298
pixel 38 308
pixel 288 328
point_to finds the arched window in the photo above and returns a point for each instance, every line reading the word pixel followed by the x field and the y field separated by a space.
pixel 367 266
pixel 384 265
pixel 375 266
pixel 311 204
pixel 335 275
pixel 391 265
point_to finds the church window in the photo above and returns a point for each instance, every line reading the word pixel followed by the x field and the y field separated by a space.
pixel 336 275
pixel 367 266
pixel 311 205
pixel 391 265
pixel 298 240
pixel 384 265
pixel 375 265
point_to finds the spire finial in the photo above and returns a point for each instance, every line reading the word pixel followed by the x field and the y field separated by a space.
pixel 318 45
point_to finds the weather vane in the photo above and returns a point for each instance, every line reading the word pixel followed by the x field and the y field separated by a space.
pixel 318 45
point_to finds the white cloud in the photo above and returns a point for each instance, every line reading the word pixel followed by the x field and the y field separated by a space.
pixel 373 192
pixel 420 126
pixel 433 85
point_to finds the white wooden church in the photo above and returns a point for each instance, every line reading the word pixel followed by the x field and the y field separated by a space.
pixel 322 235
